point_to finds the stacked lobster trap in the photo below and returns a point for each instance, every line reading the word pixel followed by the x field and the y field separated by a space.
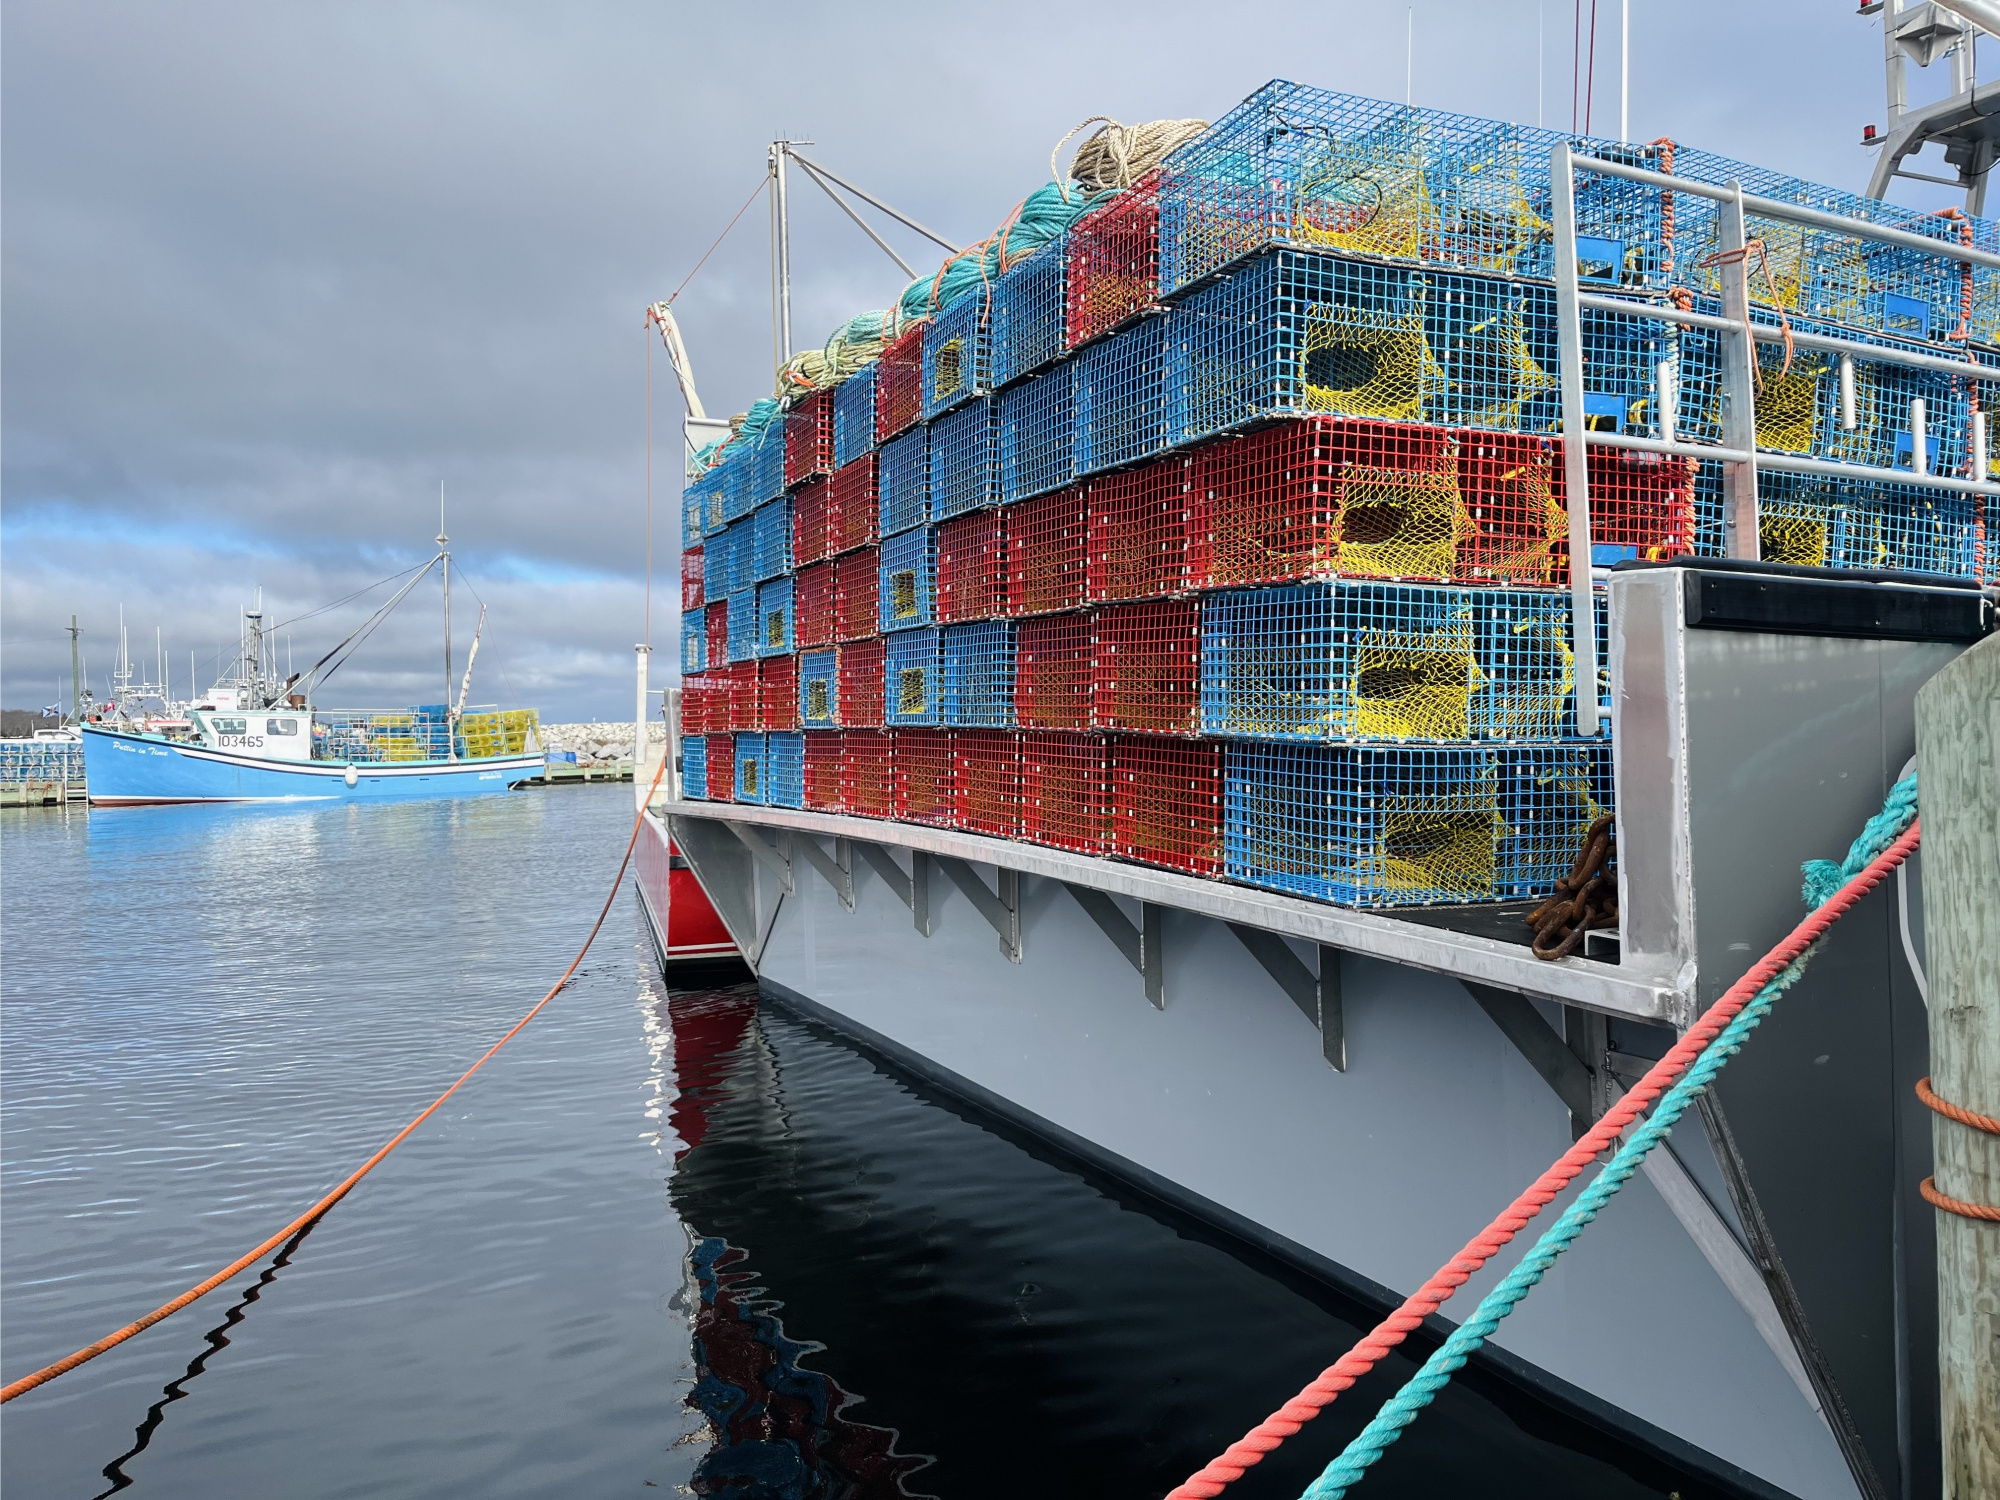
pixel 1233 531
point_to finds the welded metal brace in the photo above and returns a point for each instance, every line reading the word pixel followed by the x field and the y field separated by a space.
pixel 1142 946
pixel 1316 995
pixel 765 852
pixel 1002 910
pixel 839 870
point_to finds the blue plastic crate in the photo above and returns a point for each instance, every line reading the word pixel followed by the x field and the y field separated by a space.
pixel 1315 169
pixel 1353 662
pixel 906 597
pixel 694 640
pixel 854 416
pixel 1549 797
pixel 743 625
pixel 913 678
pixel 785 767
pixel 819 690
pixel 753 768
pixel 979 675
pixel 1030 313
pixel 1121 407
pixel 965 459
pixel 1362 825
pixel 771 544
pixel 904 481
pixel 1038 435
pixel 694 767
pixel 775 633
pixel 958 358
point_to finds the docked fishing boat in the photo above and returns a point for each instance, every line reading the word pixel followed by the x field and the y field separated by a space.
pixel 1246 602
pixel 257 737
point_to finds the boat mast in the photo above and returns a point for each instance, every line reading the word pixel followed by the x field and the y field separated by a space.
pixel 442 539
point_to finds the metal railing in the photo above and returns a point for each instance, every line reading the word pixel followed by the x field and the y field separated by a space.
pixel 1738 336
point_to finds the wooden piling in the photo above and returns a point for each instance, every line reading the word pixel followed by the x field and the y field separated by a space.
pixel 1958 756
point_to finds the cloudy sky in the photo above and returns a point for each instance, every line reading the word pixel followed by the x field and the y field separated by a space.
pixel 275 271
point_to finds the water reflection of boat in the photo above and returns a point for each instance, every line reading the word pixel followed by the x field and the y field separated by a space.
pixel 777 1426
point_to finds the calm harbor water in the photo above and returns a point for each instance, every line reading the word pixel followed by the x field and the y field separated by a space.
pixel 665 1241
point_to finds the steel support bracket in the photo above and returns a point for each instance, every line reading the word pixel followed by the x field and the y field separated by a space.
pixel 1317 996
pixel 1142 946
pixel 766 853
pixel 838 870
pixel 913 889
pixel 1002 910
pixel 1575 1082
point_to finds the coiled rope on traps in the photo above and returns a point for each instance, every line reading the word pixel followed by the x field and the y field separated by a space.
pixel 1766 980
pixel 1118 155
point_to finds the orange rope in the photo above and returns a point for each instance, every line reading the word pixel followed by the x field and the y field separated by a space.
pixel 1956 1112
pixel 1973 1120
pixel 318 1210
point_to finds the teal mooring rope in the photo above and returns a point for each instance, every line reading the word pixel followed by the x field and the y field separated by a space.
pixel 1823 880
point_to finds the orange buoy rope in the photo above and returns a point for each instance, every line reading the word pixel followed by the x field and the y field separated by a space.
pixel 318 1210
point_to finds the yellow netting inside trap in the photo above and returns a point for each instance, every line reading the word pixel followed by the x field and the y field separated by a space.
pixel 1414 686
pixel 1363 364
pixel 1443 844
pixel 1788 405
pixel 1513 525
pixel 1488 374
pixel 1799 537
pixel 1392 523
pixel 1354 199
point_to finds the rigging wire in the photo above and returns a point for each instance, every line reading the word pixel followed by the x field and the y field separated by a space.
pixel 761 185
pixel 366 628
pixel 322 609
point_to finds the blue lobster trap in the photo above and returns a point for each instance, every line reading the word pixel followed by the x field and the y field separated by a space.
pixel 819 690
pixel 904 480
pixel 1029 312
pixel 771 541
pixel 776 635
pixel 854 416
pixel 694 640
pixel 965 459
pixel 1120 398
pixel 1345 662
pixel 725 560
pixel 1799 408
pixel 753 768
pixel 1549 797
pixel 743 625
pixel 906 597
pixel 694 767
pixel 785 768
pixel 1818 522
pixel 1037 435
pixel 958 353
pixel 1364 825
pixel 701 497
pixel 768 473
pixel 913 678
pixel 1314 169
pixel 978 690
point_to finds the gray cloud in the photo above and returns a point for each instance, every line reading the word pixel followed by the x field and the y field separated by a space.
pixel 273 271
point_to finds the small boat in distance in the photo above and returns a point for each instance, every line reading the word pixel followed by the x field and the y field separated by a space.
pixel 255 737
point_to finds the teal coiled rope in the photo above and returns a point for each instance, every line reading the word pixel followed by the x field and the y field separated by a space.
pixel 1824 879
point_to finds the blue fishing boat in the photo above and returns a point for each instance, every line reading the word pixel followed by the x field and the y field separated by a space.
pixel 256 737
